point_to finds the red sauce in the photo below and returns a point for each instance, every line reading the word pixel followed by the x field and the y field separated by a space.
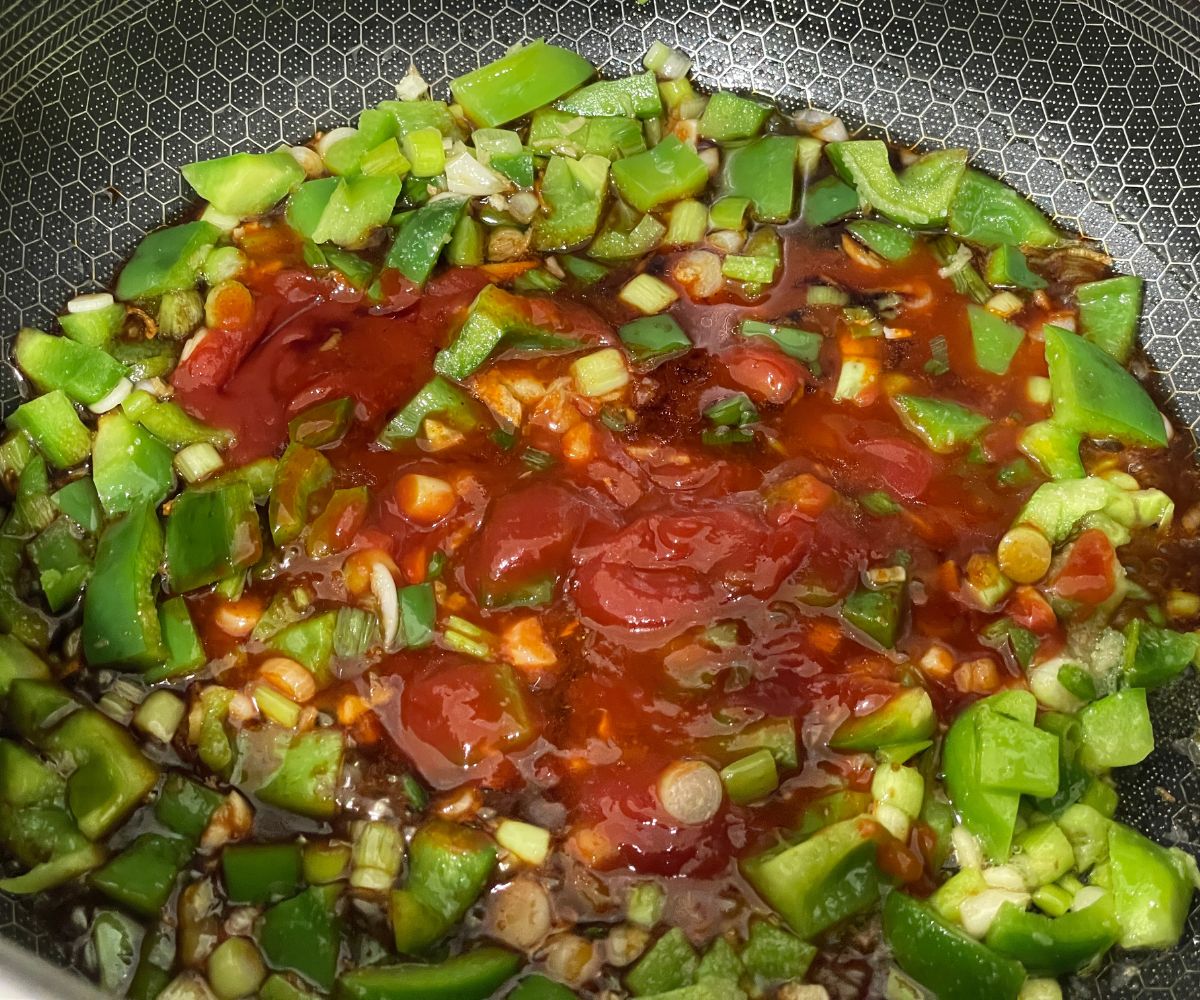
pixel 650 540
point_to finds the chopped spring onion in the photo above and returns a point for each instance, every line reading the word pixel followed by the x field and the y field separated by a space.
pixel 198 461
pixel 665 62
pixel 690 791
pixel 235 969
pixel 424 150
pixel 277 707
pixel 600 373
pixel 159 715
pixel 355 632
pixel 750 778
pixel 376 856
pixel 528 842
pixel 464 637
pixel 648 295
pixel 686 224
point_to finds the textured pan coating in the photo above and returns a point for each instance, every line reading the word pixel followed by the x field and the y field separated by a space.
pixel 1089 107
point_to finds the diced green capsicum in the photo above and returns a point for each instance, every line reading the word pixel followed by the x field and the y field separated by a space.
pixel 356 206
pixel 54 426
pixel 437 397
pixel 120 620
pixel 310 643
pixel 995 340
pixel 261 873
pixel 171 423
pixel 1006 267
pixel 553 131
pixel 1151 888
pixel 920 196
pixel 942 424
pixel 496 318
pixel 302 474
pixel 130 466
pixel 1053 448
pixel 86 374
pixel 1014 756
pixel 943 958
pixel 474 975
pixel 449 866
pixel 989 212
pixel 630 97
pixel 347 156
pixel 573 193
pixel 1116 730
pixel 890 242
pixel 1055 946
pixel 774 955
pixel 420 236
pixel 907 718
pixel 166 260
pixel 1108 313
pixel 988 814
pixel 210 535
pixel 763 170
pixel 95 327
pixel 876 612
pixel 78 501
pixel 245 184
pixel 670 964
pixel 826 878
pixel 62 562
pixel 519 82
pixel 1155 656
pixel 303 935
pixel 185 807
pixel 652 340
pixel 143 875
pixel 1093 394
pixel 666 172
pixel 626 235
pixel 309 773
pixel 727 117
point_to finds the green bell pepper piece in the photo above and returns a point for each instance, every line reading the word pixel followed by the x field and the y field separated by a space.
pixel 302 474
pixel 420 236
pixel 908 717
pixel 346 156
pixel 210 535
pixel 552 131
pixel 573 193
pixel 86 374
pixel 308 776
pixel 1006 268
pixel 143 875
pixel 829 200
pixel 449 867
pixel 1093 394
pixel 727 117
pixel 537 987
pixel 1054 449
pixel 307 204
pixel 1151 888
pixel 1108 313
pixel 156 958
pixel 943 425
pixel 109 777
pixel 495 319
pixel 413 115
pixel 666 172
pixel 130 466
pixel 625 235
pixel 820 881
pixel 185 651
pixel 890 242
pixel 988 814
pixel 943 958
pixel 876 613
pixel 651 340
pixel 1055 946
pixel 185 807
pixel 763 170
pixel 920 196
pixel 629 97
pixel 115 939
pixel 171 423
pixel 1117 731
pixel 418 611
pixel 245 184
pixel 776 734
pixel 475 975
pixel 54 872
pixel 260 873
pixel 1155 656
pixel 706 989
pixel 120 620
pixel 96 327
pixel 720 961
pixel 356 206
pixel 1014 756
pixel 437 398
pixel 303 935
pixel 1073 778
pixel 773 954
pixel 32 510
pixel 34 706
pixel 310 643
pixel 55 428
pixel 62 562
pixel 326 535
pixel 26 623
pixel 995 341
pixel 1058 509
pixel 988 212
pixel 517 167
pixel 79 501
pixel 17 661
pixel 519 82
pixel 670 964
pixel 166 260
pixel 803 345
pixel 145 359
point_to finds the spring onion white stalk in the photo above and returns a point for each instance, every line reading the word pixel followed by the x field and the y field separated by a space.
pixel 89 302
pixel 334 135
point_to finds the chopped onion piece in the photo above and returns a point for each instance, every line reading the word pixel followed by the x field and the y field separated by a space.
pixel 192 343
pixel 1004 877
pixel 821 125
pixel 384 589
pixel 966 848
pixel 89 302
pixel 466 175
pixel 711 158
pixel 1086 896
pixel 114 398
pixel 977 912
pixel 523 206
pixel 156 387
pixel 413 87
pixel 309 160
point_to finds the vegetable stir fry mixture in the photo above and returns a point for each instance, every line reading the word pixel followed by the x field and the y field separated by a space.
pixel 587 538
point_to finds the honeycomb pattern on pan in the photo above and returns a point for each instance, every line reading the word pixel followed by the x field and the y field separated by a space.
pixel 1086 105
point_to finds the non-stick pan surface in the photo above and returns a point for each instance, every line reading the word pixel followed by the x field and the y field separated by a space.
pixel 1090 106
